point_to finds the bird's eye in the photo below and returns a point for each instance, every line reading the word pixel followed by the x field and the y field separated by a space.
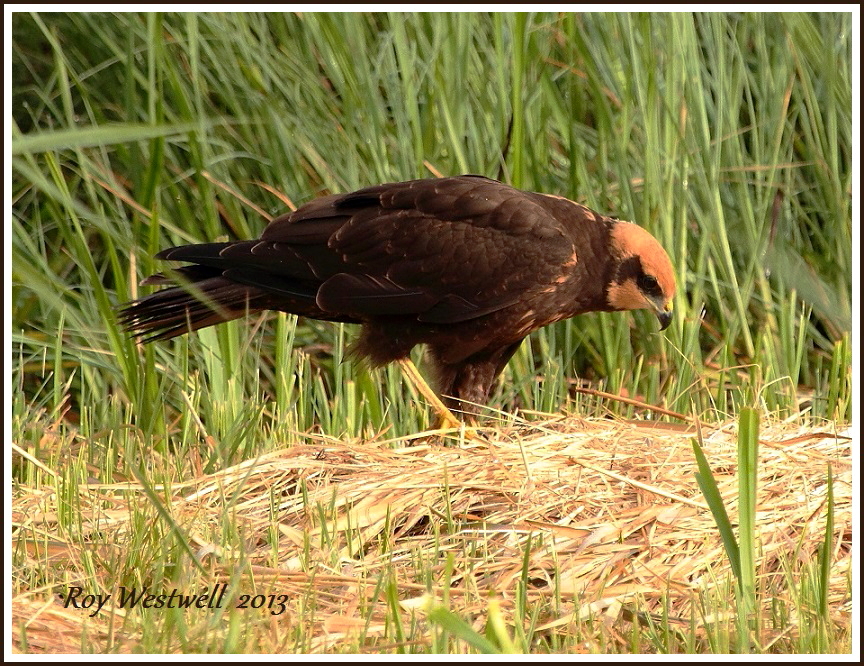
pixel 648 284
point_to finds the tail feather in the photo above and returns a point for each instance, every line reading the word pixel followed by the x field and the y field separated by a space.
pixel 181 309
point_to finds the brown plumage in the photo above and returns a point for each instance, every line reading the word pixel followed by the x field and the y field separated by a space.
pixel 466 265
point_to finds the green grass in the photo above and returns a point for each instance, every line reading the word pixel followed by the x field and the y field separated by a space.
pixel 729 136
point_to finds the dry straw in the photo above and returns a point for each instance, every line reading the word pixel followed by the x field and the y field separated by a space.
pixel 611 508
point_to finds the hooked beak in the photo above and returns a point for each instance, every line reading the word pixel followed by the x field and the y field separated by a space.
pixel 664 315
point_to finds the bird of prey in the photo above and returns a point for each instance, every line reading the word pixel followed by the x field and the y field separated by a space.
pixel 466 265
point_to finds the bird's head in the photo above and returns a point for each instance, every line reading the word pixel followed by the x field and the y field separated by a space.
pixel 642 275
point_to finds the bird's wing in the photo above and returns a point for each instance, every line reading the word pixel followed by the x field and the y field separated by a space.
pixel 444 250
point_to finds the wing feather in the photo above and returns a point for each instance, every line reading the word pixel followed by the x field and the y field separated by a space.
pixel 443 251
pixel 367 295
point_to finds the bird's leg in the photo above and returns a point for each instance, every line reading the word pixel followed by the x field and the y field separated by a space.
pixel 466 384
pixel 446 419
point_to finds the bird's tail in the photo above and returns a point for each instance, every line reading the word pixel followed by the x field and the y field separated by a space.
pixel 199 297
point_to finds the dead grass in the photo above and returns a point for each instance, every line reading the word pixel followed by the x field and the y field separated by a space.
pixel 612 509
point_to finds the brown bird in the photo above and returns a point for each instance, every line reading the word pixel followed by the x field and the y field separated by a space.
pixel 467 266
